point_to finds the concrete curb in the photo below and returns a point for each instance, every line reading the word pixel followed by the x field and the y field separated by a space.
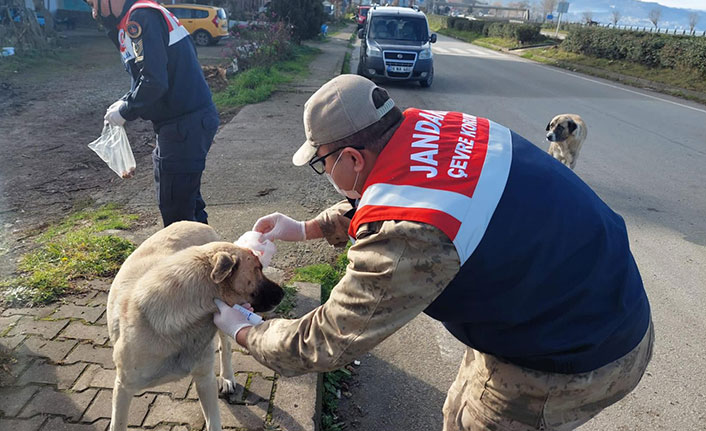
pixel 297 400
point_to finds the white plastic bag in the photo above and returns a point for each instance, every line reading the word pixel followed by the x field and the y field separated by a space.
pixel 114 148
pixel 264 250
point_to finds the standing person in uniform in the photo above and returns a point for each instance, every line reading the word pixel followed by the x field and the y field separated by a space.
pixel 169 89
pixel 460 218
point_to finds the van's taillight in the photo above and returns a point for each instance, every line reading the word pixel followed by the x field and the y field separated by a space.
pixel 215 21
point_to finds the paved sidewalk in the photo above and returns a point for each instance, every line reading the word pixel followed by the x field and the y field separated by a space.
pixel 63 376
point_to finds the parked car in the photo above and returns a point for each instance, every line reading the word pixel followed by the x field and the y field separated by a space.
pixel 207 24
pixel 396 45
pixel 361 15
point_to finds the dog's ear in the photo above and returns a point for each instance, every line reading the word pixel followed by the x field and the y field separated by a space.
pixel 549 125
pixel 223 264
pixel 572 126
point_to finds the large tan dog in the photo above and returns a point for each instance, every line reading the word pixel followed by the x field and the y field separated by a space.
pixel 160 314
pixel 566 135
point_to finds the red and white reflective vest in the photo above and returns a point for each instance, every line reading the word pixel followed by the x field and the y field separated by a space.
pixel 446 169
pixel 176 31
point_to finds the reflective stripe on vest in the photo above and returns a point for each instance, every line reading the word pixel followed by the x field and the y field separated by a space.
pixel 176 31
pixel 447 169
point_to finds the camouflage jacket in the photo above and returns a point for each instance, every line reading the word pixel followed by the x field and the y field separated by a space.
pixel 396 269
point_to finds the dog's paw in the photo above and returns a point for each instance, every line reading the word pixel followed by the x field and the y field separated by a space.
pixel 226 387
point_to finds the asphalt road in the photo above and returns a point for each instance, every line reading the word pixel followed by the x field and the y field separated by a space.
pixel 645 156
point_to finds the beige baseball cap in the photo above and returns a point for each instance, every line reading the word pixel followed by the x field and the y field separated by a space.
pixel 341 107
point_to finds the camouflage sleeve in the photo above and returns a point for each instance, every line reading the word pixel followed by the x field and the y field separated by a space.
pixel 334 224
pixel 396 269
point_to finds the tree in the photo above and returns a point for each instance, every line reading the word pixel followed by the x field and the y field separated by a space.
pixel 693 19
pixel 48 19
pixel 548 6
pixel 587 16
pixel 305 16
pixel 655 15
pixel 19 27
pixel 616 16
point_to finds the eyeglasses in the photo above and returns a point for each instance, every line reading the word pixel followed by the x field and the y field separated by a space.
pixel 318 164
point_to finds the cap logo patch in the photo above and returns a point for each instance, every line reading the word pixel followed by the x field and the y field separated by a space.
pixel 133 29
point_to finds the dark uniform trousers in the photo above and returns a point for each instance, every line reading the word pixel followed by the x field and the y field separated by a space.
pixel 179 160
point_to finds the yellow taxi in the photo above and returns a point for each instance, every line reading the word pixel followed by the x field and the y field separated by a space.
pixel 207 24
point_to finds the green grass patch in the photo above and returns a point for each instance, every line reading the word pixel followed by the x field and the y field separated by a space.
pixel 70 250
pixel 33 60
pixel 686 79
pixel 326 275
pixel 257 84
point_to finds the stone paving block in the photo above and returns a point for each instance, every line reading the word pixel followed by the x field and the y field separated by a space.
pixel 102 405
pixel 55 350
pixel 295 402
pixel 97 284
pixel 32 424
pixel 101 298
pixel 92 354
pixel 165 427
pixel 58 424
pixel 17 367
pixel 86 298
pixel 235 397
pixel 37 312
pixel 177 389
pixel 77 330
pixel 68 404
pixel 259 390
pixel 165 409
pixel 103 320
pixel 241 416
pixel 63 376
pixel 46 328
pixel 12 399
pixel 247 364
pixel 72 311
pixel 103 379
pixel 84 380
pixel 6 322
pixel 11 342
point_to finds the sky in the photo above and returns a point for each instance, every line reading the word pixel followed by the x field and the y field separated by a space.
pixel 686 4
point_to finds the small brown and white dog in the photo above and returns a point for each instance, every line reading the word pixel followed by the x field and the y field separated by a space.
pixel 566 133
pixel 160 314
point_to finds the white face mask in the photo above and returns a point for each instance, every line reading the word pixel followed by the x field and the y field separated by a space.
pixel 352 194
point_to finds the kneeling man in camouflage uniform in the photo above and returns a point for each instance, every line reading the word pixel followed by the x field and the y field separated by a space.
pixel 458 217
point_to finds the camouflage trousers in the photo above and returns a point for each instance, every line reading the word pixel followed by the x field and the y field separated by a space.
pixel 492 394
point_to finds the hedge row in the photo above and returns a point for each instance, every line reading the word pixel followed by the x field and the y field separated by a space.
pixel 522 33
pixel 650 49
